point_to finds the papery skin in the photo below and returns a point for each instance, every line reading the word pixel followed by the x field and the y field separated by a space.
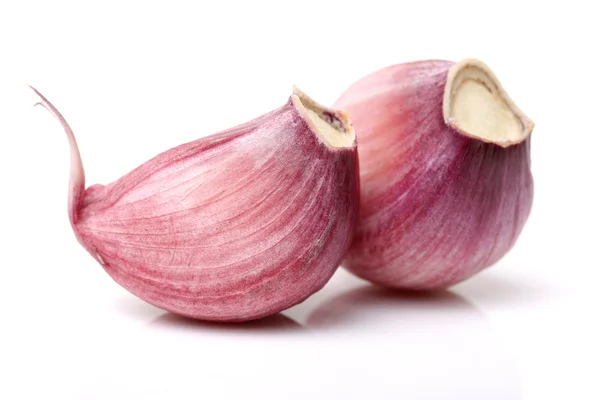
pixel 437 206
pixel 230 227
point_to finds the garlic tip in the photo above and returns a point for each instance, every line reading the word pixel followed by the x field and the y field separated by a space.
pixel 77 178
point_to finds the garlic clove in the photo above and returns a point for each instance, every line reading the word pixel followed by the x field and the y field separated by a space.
pixel 446 185
pixel 230 227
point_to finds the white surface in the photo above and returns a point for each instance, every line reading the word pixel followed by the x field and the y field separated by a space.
pixel 136 79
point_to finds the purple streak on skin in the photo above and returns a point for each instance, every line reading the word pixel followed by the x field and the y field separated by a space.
pixel 230 227
pixel 436 206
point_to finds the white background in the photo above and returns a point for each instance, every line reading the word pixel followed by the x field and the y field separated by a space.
pixel 134 79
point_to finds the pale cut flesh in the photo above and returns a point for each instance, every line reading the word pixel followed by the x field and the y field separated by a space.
pixel 476 104
pixel 333 128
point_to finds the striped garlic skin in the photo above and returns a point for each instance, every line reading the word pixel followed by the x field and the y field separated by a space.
pixel 436 206
pixel 230 227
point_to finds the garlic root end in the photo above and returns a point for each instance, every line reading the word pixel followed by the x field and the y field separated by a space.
pixel 332 127
pixel 477 106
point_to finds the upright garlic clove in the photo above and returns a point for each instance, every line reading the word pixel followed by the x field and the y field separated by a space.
pixel 446 186
pixel 231 227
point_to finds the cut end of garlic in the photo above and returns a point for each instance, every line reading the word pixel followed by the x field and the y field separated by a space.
pixel 477 106
pixel 332 127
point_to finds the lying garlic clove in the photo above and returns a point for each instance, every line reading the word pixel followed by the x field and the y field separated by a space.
pixel 446 186
pixel 231 227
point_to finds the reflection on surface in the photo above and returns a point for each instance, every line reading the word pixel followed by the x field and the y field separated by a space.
pixel 136 309
pixel 500 289
pixel 275 323
pixel 370 302
pixel 363 342
pixel 437 344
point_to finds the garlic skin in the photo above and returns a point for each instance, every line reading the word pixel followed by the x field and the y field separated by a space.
pixel 446 184
pixel 230 227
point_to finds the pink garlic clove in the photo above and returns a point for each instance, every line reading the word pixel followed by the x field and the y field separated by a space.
pixel 231 227
pixel 446 186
